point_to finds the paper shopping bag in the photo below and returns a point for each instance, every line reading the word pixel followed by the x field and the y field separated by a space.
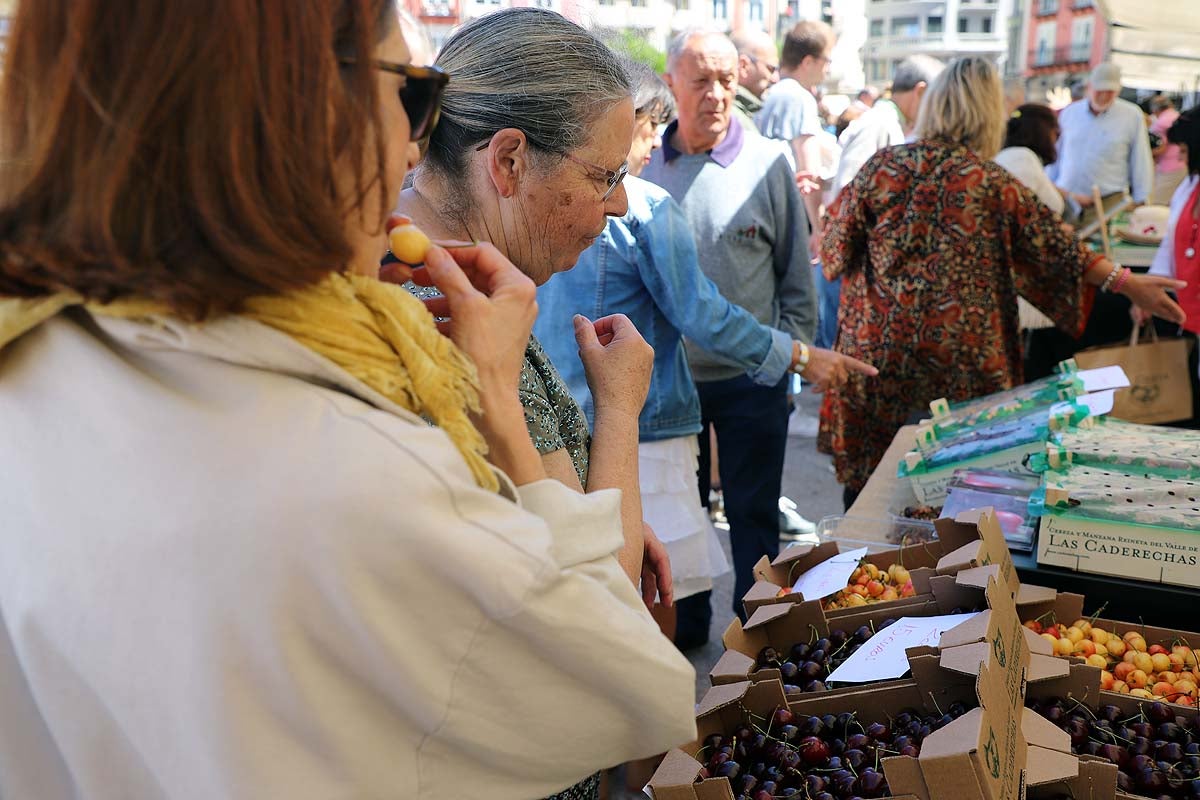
pixel 1160 389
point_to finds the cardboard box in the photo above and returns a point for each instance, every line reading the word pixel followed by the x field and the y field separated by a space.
pixel 999 749
pixel 1082 684
pixel 721 710
pixel 972 539
pixel 1149 553
pixel 781 625
pixel 993 752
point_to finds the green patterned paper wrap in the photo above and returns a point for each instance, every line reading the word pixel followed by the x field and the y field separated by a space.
pixel 1126 496
pixel 948 418
pixel 1168 452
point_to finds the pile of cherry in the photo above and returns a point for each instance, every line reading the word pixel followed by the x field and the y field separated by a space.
pixel 808 664
pixel 829 757
pixel 1156 752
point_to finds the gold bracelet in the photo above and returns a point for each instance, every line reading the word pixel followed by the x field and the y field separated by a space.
pixel 802 360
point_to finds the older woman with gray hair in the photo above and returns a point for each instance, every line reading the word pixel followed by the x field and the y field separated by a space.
pixel 530 155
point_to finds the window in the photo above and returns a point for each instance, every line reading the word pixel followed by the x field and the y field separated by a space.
pixel 720 9
pixel 876 28
pixel 906 26
pixel 962 24
pixel 683 5
pixel 756 11
pixel 435 8
pixel 1082 4
pixel 1081 38
pixel 987 24
pixel 1043 54
pixel 1047 7
pixel 933 25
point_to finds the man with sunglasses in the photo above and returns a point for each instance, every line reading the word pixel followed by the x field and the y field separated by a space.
pixel 758 71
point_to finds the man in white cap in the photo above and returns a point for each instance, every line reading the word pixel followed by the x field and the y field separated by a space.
pixel 1104 143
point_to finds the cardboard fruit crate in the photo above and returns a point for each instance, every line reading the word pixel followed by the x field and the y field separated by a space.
pixel 973 539
pixel 992 752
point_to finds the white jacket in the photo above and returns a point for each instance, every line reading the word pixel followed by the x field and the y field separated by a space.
pixel 229 570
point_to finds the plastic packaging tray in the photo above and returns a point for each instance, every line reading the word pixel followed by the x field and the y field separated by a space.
pixel 874 533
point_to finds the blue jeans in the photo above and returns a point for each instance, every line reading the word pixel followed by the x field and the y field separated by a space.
pixel 751 425
pixel 829 296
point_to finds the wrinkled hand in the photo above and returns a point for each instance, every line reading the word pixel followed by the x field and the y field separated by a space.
pixel 656 570
pixel 617 362
pixel 490 305
pixel 808 182
pixel 829 369
pixel 1149 294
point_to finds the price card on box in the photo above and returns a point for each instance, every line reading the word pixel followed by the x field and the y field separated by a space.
pixel 829 576
pixel 882 657
pixel 1097 380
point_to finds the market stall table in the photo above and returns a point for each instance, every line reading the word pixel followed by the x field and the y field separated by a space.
pixel 1130 600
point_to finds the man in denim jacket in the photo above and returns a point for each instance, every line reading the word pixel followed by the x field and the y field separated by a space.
pixel 738 193
pixel 646 266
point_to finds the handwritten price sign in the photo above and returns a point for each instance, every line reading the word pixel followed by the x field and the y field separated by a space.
pixel 882 657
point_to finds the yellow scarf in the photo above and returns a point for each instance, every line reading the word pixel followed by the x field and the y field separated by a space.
pixel 376 331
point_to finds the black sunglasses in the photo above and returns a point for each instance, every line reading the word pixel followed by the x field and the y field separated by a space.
pixel 421 94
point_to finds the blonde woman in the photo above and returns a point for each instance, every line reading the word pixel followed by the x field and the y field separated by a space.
pixel 935 243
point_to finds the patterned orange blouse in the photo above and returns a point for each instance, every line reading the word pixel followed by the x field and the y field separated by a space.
pixel 934 245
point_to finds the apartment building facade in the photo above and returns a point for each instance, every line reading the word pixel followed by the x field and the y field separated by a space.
pixel 1066 38
pixel 943 29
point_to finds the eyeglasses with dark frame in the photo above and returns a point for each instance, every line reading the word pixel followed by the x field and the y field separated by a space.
pixel 421 94
pixel 612 178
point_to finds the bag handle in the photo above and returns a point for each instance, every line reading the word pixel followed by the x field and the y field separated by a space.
pixel 1133 337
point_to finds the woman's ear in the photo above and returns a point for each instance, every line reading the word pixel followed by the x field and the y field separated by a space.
pixel 508 159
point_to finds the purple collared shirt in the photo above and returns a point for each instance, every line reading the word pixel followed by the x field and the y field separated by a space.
pixel 723 154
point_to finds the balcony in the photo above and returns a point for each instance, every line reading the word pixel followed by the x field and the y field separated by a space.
pixel 1079 53
pixel 438 10
pixel 1046 7
pixel 1083 4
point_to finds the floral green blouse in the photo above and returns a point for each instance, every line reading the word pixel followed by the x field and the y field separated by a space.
pixel 555 421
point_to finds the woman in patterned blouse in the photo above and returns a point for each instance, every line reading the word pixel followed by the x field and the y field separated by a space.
pixel 935 242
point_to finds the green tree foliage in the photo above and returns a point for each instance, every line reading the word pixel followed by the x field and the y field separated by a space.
pixel 634 45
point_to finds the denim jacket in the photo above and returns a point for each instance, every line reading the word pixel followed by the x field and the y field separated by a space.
pixel 644 266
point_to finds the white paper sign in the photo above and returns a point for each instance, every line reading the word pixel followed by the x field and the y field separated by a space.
pixel 882 657
pixel 1098 404
pixel 1097 380
pixel 830 576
